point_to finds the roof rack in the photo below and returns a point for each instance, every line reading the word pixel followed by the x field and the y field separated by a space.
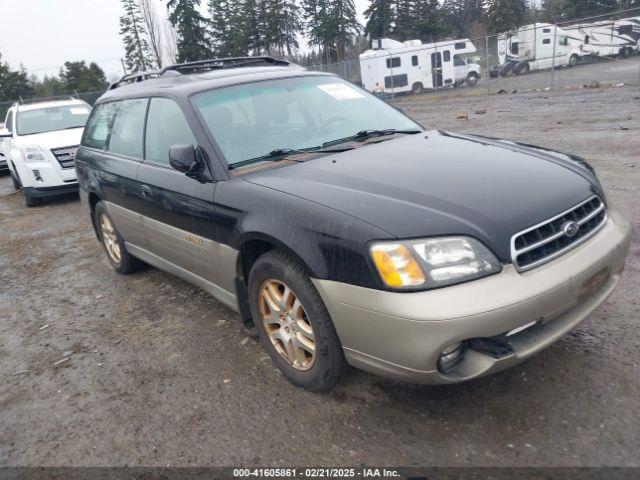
pixel 221 63
pixel 200 66
pixel 134 78
pixel 45 99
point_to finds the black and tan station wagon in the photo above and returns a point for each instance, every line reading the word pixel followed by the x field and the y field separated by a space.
pixel 343 230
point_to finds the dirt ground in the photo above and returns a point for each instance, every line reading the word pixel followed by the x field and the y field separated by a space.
pixel 159 373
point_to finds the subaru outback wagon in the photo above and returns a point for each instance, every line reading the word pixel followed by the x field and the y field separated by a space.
pixel 345 232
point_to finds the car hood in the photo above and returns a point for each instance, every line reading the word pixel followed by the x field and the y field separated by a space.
pixel 437 183
pixel 49 140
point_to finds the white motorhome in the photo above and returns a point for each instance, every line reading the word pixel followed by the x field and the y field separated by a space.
pixel 532 48
pixel 608 38
pixel 397 67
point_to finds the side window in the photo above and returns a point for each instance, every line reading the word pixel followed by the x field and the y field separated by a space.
pixel 458 62
pixel 393 62
pixel 9 121
pixel 586 39
pixel 546 30
pixel 460 45
pixel 546 41
pixel 446 56
pixel 128 128
pixel 166 126
pixel 96 133
pixel 414 60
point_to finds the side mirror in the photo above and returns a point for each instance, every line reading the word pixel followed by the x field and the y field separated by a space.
pixel 182 157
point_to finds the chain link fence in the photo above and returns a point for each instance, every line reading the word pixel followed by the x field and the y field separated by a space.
pixel 590 52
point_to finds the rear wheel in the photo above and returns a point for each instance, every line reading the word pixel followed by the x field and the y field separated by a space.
pixel 573 60
pixel 293 323
pixel 121 261
pixel 523 68
pixel 417 88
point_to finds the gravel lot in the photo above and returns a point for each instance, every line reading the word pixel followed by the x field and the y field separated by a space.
pixel 162 374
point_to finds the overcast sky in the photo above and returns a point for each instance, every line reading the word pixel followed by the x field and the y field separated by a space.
pixel 43 34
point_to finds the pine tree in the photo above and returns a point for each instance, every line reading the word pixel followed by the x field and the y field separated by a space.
pixel 405 21
pixel 428 21
pixel 281 24
pixel 191 27
pixel 228 32
pixel 379 17
pixel 316 15
pixel 504 15
pixel 253 41
pixel 343 25
pixel 137 54
pixel 462 17
pixel 14 83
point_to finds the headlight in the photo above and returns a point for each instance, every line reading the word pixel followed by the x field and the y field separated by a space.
pixel 34 154
pixel 433 262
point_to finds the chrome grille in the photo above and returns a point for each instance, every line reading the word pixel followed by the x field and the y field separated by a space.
pixel 66 156
pixel 551 238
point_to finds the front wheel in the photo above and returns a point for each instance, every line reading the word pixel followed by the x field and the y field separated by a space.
pixel 15 180
pixel 472 79
pixel 117 254
pixel 293 323
pixel 573 61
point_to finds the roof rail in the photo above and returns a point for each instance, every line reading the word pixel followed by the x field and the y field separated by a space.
pixel 221 63
pixel 45 99
pixel 134 78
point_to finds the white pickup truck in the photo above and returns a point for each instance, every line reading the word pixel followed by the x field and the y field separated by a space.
pixel 465 72
pixel 38 144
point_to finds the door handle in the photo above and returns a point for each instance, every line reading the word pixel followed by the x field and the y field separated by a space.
pixel 145 192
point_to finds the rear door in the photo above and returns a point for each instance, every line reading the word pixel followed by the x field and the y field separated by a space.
pixel 178 210
pixel 113 152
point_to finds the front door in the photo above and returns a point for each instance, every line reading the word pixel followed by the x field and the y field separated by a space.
pixel 178 210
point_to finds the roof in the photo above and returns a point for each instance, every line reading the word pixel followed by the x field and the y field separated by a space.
pixel 36 105
pixel 185 84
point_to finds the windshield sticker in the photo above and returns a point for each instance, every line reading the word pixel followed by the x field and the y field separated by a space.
pixel 79 111
pixel 340 91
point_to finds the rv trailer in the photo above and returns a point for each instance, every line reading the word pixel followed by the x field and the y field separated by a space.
pixel 608 38
pixel 412 66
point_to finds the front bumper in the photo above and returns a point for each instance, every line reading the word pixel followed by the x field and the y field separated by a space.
pixel 401 335
pixel 45 192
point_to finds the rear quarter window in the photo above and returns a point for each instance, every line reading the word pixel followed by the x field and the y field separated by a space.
pixel 99 125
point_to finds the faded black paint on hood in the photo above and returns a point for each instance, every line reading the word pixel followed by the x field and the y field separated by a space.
pixel 436 183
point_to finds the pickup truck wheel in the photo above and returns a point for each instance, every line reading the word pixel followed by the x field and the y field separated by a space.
pixel 121 261
pixel 472 79
pixel 293 323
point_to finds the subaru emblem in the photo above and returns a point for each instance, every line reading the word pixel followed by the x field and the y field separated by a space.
pixel 570 229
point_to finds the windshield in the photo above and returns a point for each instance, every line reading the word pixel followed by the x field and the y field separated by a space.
pixel 52 118
pixel 251 120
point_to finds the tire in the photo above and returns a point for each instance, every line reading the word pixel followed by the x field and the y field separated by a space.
pixel 277 283
pixel 417 88
pixel 30 201
pixel 472 80
pixel 522 68
pixel 623 53
pixel 16 181
pixel 508 70
pixel 121 261
pixel 573 60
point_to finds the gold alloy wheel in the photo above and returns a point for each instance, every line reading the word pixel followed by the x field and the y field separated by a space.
pixel 286 323
pixel 110 239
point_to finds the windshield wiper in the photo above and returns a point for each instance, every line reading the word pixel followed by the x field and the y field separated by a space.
pixel 274 156
pixel 367 134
